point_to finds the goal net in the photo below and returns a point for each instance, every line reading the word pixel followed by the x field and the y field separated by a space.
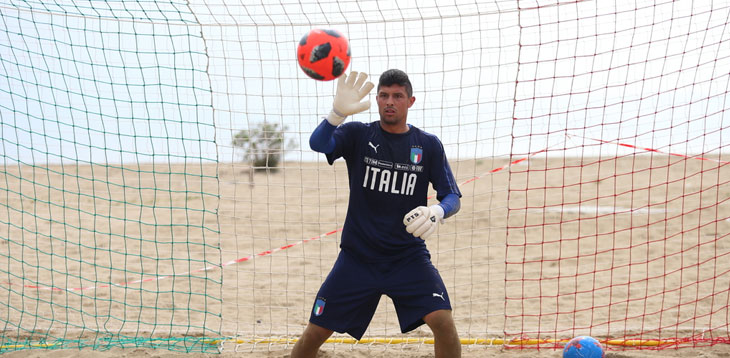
pixel 158 189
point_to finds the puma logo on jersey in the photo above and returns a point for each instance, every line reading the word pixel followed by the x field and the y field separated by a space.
pixel 441 296
pixel 375 147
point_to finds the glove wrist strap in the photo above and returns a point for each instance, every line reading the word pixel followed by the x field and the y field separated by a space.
pixel 336 112
pixel 335 118
pixel 439 211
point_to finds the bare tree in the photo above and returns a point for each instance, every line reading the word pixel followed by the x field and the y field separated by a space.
pixel 263 145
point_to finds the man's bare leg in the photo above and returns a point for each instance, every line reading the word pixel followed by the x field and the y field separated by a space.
pixel 308 344
pixel 446 340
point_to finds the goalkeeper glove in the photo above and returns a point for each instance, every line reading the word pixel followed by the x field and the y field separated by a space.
pixel 350 91
pixel 422 221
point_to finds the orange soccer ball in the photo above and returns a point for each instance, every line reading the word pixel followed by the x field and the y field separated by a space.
pixel 323 54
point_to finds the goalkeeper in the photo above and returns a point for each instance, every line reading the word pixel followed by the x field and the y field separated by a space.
pixel 390 165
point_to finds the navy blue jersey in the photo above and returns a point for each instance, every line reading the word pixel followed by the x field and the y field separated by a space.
pixel 389 176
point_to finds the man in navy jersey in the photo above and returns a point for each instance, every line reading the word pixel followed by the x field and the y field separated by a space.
pixel 390 165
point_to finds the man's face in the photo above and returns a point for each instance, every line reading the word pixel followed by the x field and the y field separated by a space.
pixel 393 104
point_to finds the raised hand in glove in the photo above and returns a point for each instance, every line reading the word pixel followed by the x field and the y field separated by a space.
pixel 350 92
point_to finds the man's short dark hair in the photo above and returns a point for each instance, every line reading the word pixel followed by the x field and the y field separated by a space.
pixel 396 77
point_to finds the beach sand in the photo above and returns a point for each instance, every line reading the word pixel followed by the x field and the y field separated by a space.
pixel 629 248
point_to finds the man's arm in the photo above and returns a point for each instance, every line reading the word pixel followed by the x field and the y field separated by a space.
pixel 321 139
pixel 451 205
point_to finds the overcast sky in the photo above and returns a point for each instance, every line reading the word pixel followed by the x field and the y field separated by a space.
pixel 164 81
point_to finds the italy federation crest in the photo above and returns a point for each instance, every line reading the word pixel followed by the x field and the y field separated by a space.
pixel 416 155
pixel 318 307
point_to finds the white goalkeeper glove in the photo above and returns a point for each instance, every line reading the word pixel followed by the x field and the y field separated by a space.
pixel 423 220
pixel 350 91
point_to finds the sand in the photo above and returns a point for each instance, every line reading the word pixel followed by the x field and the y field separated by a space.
pixel 627 247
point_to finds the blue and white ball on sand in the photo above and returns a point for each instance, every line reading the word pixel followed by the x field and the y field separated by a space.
pixel 583 347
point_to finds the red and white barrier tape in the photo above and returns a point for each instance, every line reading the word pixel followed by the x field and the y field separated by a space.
pixel 647 149
pixel 162 277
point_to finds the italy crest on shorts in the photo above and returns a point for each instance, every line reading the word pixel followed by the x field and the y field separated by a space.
pixel 416 155
pixel 318 306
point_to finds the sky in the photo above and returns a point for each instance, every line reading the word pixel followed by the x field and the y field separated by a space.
pixel 125 82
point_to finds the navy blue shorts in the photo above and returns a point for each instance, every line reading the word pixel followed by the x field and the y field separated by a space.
pixel 349 296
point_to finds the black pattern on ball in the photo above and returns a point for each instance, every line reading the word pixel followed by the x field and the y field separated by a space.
pixel 338 66
pixel 320 52
pixel 312 74
pixel 332 33
pixel 303 40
